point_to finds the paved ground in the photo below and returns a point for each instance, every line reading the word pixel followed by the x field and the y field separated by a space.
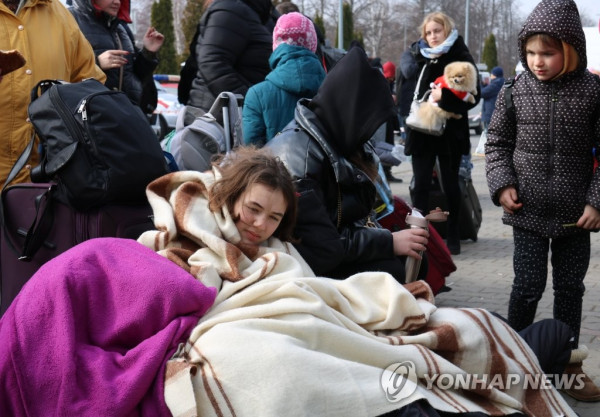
pixel 484 275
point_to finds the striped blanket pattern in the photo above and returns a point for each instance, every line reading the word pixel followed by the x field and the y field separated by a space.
pixel 280 341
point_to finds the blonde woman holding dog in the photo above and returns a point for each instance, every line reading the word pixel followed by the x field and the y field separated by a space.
pixel 440 44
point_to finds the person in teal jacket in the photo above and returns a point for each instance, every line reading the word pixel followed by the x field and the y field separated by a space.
pixel 296 73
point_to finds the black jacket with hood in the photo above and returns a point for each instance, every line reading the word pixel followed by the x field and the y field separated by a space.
pixel 406 80
pixel 105 32
pixel 543 145
pixel 335 195
pixel 232 50
pixel 456 136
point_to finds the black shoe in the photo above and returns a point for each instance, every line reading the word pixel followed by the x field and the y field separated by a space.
pixel 391 178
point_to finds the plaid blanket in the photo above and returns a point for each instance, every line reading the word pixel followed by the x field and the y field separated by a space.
pixel 279 341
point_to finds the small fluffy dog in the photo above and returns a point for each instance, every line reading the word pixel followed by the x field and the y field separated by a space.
pixel 460 77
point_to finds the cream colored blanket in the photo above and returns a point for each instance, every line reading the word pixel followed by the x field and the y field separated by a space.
pixel 280 342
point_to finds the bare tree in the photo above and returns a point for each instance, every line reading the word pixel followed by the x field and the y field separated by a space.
pixel 178 9
pixel 506 33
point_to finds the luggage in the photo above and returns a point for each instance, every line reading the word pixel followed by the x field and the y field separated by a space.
pixel 38 227
pixel 97 144
pixel 199 137
pixel 438 255
pixel 470 208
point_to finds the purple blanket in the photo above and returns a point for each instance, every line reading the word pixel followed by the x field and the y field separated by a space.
pixel 90 333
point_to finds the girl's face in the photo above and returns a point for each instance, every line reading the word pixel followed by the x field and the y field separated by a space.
pixel 434 34
pixel 544 61
pixel 259 211
pixel 108 6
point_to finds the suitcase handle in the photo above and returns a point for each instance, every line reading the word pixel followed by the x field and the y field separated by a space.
pixel 47 244
pixel 39 229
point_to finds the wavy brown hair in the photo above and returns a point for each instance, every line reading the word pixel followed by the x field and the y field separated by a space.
pixel 245 167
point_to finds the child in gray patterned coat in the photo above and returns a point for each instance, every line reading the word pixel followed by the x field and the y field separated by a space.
pixel 539 169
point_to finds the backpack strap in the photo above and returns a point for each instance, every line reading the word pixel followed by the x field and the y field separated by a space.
pixel 44 212
pixel 508 93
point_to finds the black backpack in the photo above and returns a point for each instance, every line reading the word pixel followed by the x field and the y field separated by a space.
pixel 96 144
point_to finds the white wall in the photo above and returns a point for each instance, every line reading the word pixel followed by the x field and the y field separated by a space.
pixel 592 41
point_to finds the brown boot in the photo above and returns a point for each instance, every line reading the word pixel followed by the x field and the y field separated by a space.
pixel 589 392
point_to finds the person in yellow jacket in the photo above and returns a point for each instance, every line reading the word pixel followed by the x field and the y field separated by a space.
pixel 46 34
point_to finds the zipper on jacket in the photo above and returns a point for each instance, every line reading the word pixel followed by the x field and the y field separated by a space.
pixel 553 100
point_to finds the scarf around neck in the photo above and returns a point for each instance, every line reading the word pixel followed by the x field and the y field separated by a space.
pixel 435 52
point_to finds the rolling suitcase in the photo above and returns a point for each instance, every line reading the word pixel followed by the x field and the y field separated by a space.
pixel 470 208
pixel 37 228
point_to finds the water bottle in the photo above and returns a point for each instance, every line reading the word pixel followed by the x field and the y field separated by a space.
pixel 414 220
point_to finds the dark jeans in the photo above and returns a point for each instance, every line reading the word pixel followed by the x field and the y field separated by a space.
pixel 449 166
pixel 570 260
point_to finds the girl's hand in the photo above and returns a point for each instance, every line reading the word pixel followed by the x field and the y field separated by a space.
pixel 509 199
pixel 590 220
pixel 113 58
pixel 410 242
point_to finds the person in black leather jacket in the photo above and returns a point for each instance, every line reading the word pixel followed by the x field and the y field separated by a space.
pixel 126 67
pixel 232 49
pixel 326 150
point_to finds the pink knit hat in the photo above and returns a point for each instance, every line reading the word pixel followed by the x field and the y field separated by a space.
pixel 295 29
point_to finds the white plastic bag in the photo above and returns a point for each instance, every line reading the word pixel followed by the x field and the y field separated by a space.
pixel 480 150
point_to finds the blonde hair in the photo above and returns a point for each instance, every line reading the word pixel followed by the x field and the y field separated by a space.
pixel 570 55
pixel 545 39
pixel 440 18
